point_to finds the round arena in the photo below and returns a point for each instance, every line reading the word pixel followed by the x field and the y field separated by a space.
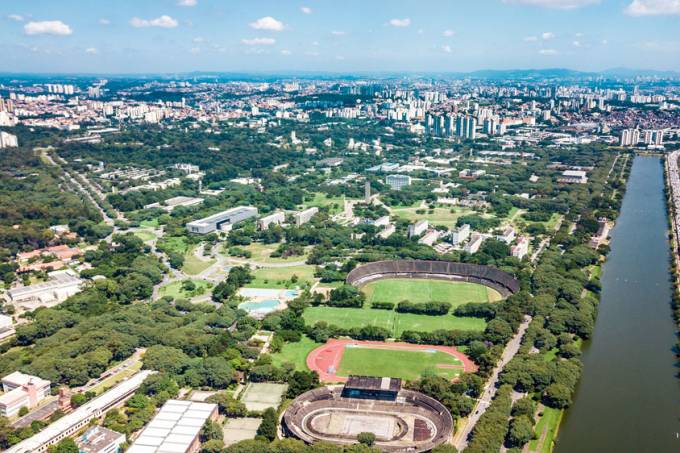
pixel 401 420
pixel 501 281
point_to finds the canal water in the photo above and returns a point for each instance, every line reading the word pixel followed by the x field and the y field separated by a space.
pixel 628 399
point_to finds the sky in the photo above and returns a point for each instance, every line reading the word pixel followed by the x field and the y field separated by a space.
pixel 169 36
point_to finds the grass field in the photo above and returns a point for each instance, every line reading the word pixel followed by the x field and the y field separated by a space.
pixel 193 265
pixel 395 322
pixel 546 430
pixel 279 277
pixel 261 253
pixel 409 365
pixel 175 290
pixel 295 353
pixel 422 290
pixel 440 216
pixel 116 378
pixel 145 235
pixel 177 244
pixel 153 223
pixel 322 200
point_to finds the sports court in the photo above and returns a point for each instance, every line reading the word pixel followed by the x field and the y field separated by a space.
pixel 259 396
pixel 238 429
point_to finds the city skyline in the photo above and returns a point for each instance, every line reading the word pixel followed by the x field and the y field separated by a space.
pixel 267 36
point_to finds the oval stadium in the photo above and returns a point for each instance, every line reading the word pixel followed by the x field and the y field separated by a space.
pixel 401 420
pixel 488 276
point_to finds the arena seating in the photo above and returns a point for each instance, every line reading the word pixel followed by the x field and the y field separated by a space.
pixel 475 273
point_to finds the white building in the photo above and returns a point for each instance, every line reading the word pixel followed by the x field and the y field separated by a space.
pixel 175 428
pixel 521 249
pixel 396 182
pixel 507 236
pixel 388 231
pixel 430 237
pixel 22 390
pixel 6 327
pixel 100 440
pixel 305 216
pixel 382 221
pixel 475 243
pixel 277 219
pixel 573 177
pixel 460 234
pixel 60 286
pixel 418 228
pixel 8 140
pixel 72 423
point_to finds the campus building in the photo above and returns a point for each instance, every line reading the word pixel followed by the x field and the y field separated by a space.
pixel 175 428
pixel 172 203
pixel 22 390
pixel 305 216
pixel 70 424
pixel 60 286
pixel 100 440
pixel 276 219
pixel 222 220
pixel 460 234
pixel 573 177
pixel 418 228
pixel 6 327
pixel 396 182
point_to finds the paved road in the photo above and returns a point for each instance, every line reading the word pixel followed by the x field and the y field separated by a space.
pixel 460 441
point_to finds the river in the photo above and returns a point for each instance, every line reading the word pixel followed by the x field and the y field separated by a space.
pixel 628 399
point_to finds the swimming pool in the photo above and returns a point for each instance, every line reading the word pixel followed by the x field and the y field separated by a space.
pixel 264 306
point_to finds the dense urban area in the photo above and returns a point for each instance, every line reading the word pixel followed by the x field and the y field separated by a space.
pixel 298 264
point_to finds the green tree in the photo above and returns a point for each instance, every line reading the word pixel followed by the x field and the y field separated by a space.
pixel 267 428
pixel 366 438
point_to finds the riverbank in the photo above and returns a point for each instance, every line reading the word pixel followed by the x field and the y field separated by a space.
pixel 629 398
pixel 672 191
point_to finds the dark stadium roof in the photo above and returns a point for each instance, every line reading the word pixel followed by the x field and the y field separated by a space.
pixel 373 383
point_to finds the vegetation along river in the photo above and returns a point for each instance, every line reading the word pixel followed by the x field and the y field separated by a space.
pixel 628 399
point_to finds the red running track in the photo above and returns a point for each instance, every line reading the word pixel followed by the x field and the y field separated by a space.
pixel 325 359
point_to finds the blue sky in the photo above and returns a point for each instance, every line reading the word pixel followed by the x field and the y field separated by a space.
pixel 127 36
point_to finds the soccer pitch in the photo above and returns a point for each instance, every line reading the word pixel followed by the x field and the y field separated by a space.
pixel 421 290
pixel 405 364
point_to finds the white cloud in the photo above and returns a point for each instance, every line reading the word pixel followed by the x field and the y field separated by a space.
pixel 447 49
pixel 198 39
pixel 530 39
pixel 339 57
pixel 449 33
pixel 604 42
pixel 548 52
pixel 104 22
pixel 579 35
pixel 400 22
pixel 195 50
pixel 162 21
pixel 315 43
pixel 47 27
pixel 306 10
pixel 577 44
pixel 92 50
pixel 653 8
pixel 312 53
pixel 267 23
pixel 258 41
pixel 187 2
pixel 286 52
pixel 547 35
pixel 338 33
pixel 16 17
pixel 555 4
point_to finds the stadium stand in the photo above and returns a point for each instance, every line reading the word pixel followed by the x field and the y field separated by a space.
pixel 501 281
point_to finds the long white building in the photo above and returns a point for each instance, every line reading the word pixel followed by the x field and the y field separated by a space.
pixel 71 424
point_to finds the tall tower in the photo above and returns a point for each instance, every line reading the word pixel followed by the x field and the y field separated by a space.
pixel 367 192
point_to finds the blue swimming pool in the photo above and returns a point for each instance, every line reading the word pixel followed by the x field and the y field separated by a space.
pixel 263 307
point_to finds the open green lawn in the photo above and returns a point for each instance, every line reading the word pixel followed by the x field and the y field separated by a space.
pixel 321 200
pixel 295 353
pixel 440 216
pixel 153 223
pixel 145 235
pixel 175 290
pixel 409 365
pixel 177 244
pixel 546 430
pixel 261 253
pixel 395 322
pixel 421 290
pixel 279 277
pixel 193 265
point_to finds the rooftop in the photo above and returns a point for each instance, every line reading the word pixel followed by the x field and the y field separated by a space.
pixel 373 383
